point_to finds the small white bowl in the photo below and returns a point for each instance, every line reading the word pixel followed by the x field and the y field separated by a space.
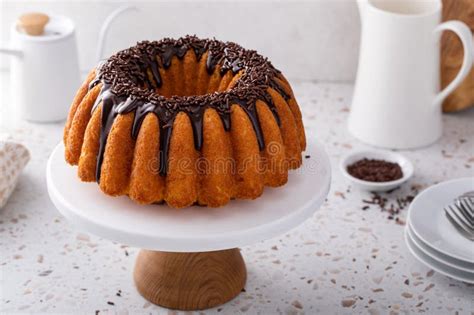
pixel 389 156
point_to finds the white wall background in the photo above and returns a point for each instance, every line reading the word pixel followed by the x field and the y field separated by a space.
pixel 308 40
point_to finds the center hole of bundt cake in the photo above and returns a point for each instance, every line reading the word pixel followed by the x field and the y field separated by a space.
pixel 186 77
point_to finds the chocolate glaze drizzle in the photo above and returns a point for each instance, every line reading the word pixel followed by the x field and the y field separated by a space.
pixel 127 87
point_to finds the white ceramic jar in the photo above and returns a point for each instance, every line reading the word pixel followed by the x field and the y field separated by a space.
pixel 44 70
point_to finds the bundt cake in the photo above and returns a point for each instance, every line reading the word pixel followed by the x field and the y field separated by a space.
pixel 187 121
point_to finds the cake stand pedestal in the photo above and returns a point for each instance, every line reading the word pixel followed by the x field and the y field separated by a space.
pixel 190 281
pixel 190 258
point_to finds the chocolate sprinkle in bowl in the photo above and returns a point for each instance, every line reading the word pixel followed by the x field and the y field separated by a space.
pixel 376 170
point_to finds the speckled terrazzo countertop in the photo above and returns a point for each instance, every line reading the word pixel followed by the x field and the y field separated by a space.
pixel 350 257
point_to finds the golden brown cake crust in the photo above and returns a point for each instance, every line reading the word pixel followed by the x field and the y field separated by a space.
pixel 77 100
pixel 185 121
pixel 146 186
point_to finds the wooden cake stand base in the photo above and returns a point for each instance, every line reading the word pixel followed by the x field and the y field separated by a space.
pixel 190 281
pixel 189 258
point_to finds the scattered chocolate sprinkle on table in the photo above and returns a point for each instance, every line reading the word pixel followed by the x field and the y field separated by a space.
pixel 372 170
pixel 392 204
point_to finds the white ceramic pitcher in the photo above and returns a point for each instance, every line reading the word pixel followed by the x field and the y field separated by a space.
pixel 45 69
pixel 397 102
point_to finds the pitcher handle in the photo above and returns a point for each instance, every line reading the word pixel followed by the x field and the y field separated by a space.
pixel 106 25
pixel 465 35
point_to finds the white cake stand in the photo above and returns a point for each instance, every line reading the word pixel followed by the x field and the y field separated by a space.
pixel 190 258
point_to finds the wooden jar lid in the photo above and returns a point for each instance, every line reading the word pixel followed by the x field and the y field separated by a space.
pixel 33 23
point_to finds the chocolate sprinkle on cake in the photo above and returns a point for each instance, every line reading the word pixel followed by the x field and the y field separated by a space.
pixel 127 87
